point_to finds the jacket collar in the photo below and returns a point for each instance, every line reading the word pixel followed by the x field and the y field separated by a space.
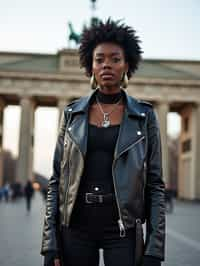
pixel 130 128
pixel 132 105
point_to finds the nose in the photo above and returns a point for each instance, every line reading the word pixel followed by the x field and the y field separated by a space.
pixel 106 63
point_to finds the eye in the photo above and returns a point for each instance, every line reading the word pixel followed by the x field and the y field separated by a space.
pixel 99 60
pixel 116 59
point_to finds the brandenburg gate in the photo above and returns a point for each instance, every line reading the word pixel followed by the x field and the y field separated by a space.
pixel 32 80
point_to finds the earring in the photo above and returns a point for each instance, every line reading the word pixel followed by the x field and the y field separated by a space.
pixel 124 82
pixel 93 82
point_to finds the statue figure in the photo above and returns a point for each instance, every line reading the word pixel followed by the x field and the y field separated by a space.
pixel 73 36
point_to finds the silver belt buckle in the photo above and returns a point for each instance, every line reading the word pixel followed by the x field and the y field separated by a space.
pixel 86 197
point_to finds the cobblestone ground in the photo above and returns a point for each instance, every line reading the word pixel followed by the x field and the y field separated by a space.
pixel 20 234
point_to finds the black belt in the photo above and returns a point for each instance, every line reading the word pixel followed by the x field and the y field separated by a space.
pixel 95 198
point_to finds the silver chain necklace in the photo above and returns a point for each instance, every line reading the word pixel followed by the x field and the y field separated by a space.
pixel 106 121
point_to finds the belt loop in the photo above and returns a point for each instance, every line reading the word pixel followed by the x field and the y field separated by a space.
pixel 101 198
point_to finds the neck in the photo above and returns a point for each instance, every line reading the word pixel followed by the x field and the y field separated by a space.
pixel 109 90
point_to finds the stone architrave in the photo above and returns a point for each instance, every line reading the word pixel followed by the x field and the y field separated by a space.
pixel 25 158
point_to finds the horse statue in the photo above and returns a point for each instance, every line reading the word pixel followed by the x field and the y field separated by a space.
pixel 73 36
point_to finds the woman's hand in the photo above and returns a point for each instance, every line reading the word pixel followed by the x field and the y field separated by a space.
pixel 57 262
pixel 151 261
pixel 51 259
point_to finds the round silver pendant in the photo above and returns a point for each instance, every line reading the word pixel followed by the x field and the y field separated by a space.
pixel 106 123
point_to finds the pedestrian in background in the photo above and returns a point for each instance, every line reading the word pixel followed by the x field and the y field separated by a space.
pixel 28 193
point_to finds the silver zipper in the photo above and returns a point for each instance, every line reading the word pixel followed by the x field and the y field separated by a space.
pixel 66 194
pixel 120 221
pixel 121 228
pixel 132 145
pixel 65 180
pixel 145 172
pixel 138 221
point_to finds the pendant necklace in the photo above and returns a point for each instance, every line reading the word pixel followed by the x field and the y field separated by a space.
pixel 106 121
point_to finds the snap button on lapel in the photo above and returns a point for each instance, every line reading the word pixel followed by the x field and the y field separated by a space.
pixel 70 109
pixel 143 114
pixel 69 128
pixel 139 133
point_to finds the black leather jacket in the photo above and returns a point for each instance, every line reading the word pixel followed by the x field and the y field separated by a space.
pixel 137 173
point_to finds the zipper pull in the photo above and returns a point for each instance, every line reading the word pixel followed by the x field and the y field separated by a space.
pixel 121 228
pixel 138 221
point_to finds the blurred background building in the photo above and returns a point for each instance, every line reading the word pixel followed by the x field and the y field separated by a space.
pixel 33 80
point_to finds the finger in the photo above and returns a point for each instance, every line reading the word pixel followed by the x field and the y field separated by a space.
pixel 56 262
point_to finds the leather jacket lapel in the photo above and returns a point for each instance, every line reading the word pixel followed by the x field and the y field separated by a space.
pixel 79 131
pixel 130 132
pixel 130 128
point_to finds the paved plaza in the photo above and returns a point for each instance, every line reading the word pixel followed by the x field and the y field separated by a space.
pixel 20 234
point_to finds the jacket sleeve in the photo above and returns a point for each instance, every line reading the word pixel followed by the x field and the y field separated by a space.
pixel 49 234
pixel 154 192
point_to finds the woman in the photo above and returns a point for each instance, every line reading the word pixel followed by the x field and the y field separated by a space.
pixel 107 172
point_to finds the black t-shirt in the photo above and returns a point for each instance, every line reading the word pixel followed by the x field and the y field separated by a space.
pixel 97 178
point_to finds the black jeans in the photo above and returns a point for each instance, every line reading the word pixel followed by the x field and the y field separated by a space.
pixel 81 247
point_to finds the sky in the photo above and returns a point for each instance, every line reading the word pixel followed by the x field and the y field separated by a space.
pixel 167 29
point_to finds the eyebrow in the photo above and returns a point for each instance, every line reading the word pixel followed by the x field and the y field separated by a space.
pixel 114 53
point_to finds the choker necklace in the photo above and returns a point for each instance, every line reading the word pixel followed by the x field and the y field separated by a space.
pixel 117 96
pixel 108 98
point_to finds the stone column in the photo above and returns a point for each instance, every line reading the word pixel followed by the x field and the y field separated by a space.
pixel 195 152
pixel 2 106
pixel 25 159
pixel 162 109
pixel 62 102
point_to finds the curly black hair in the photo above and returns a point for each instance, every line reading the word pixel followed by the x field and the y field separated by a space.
pixel 110 31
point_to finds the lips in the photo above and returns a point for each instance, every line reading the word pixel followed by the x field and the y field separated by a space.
pixel 107 75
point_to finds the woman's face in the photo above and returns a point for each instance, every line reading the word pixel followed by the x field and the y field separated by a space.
pixel 109 64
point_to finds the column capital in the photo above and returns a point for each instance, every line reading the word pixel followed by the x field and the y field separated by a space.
pixel 62 99
pixel 27 99
pixel 197 104
pixel 2 103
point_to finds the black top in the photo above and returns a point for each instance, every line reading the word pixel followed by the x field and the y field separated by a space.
pixel 97 174
pixel 98 162
pixel 97 178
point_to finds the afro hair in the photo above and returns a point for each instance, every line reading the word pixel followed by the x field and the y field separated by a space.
pixel 110 31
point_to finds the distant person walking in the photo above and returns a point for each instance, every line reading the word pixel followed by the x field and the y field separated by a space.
pixel 28 193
